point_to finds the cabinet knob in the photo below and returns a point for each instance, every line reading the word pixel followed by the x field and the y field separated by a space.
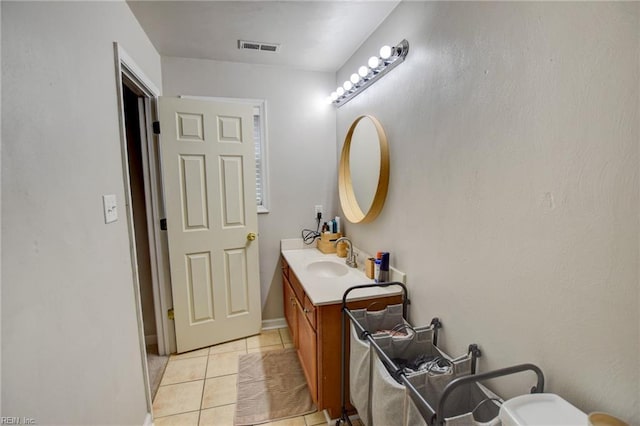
pixel 306 311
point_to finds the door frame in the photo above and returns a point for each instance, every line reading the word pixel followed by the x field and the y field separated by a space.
pixel 127 69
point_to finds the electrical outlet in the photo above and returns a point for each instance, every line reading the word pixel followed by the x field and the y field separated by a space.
pixel 318 209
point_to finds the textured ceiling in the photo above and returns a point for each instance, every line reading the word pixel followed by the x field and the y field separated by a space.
pixel 313 35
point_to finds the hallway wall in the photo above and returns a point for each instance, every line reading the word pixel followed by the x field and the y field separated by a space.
pixel 513 202
pixel 70 347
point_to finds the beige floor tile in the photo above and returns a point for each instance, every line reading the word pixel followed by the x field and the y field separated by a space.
pixel 295 421
pixel 234 346
pixel 192 354
pixel 265 348
pixel 223 364
pixel 184 370
pixel 285 335
pixel 357 422
pixel 289 345
pixel 266 338
pixel 218 416
pixel 316 418
pixel 185 419
pixel 176 399
pixel 220 391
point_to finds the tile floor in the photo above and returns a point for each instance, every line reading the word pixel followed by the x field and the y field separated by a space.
pixel 199 388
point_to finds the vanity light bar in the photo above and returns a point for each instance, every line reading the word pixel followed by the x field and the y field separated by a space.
pixel 377 66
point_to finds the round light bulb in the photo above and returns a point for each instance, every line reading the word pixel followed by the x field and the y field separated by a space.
pixel 347 85
pixel 363 71
pixel 329 100
pixel 355 78
pixel 385 52
pixel 374 61
pixel 340 91
pixel 334 96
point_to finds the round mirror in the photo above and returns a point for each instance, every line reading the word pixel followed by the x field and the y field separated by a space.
pixel 364 170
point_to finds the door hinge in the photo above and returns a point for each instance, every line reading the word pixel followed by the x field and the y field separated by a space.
pixel 156 127
pixel 170 314
pixel 163 224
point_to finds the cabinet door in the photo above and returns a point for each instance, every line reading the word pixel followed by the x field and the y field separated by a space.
pixel 307 352
pixel 296 285
pixel 290 312
pixel 310 311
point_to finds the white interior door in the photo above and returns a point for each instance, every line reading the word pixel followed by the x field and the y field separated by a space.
pixel 208 170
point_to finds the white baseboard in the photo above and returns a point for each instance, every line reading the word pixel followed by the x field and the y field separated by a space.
pixel 274 323
pixel 148 420
pixel 151 340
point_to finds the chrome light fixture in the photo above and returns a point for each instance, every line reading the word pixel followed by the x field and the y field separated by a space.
pixel 377 66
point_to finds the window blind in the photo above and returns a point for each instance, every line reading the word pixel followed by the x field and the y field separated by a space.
pixel 257 143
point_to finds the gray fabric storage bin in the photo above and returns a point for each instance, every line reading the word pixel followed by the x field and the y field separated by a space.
pixel 387 395
pixel 468 405
pixel 360 355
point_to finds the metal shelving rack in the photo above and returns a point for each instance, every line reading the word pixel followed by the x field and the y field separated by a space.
pixel 432 415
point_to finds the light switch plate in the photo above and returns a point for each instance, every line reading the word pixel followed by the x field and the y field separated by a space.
pixel 110 208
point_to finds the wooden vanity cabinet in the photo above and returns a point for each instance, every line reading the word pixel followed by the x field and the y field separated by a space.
pixel 307 351
pixel 300 316
pixel 310 312
pixel 290 311
pixel 316 332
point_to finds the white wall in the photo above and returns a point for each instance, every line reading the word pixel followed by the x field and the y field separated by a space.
pixel 513 201
pixel 301 135
pixel 70 348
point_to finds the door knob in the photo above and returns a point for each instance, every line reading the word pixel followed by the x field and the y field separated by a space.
pixel 251 236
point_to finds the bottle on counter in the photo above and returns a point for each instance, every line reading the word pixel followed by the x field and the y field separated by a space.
pixel 376 272
pixel 384 267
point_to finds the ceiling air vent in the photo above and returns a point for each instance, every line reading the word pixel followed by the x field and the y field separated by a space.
pixel 256 45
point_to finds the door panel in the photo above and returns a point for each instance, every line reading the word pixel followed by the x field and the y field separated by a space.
pixel 230 129
pixel 199 286
pixel 190 127
pixel 237 285
pixel 194 199
pixel 206 148
pixel 232 191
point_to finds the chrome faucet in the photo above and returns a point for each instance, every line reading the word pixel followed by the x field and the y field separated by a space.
pixel 351 256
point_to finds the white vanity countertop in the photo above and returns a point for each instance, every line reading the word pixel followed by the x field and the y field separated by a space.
pixel 323 290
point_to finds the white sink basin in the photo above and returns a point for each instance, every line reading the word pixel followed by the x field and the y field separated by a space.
pixel 327 269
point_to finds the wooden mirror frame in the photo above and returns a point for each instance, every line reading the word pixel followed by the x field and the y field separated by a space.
pixel 352 210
